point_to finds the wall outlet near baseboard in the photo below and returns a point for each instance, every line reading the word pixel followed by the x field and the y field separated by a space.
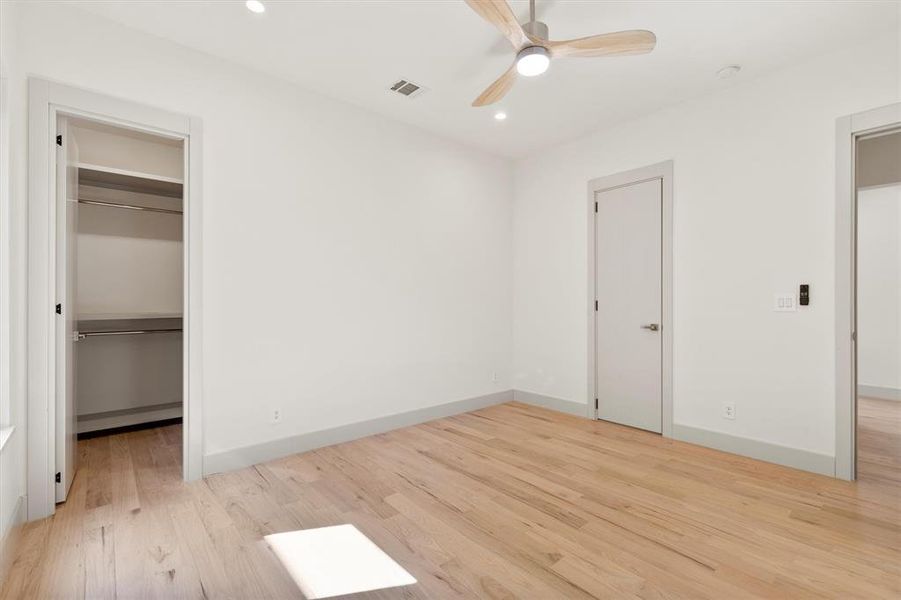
pixel 276 416
pixel 729 410
pixel 494 376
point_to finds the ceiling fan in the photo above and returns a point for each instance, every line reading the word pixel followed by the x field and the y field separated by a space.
pixel 534 50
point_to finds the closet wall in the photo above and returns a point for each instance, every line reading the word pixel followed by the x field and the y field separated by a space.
pixel 879 267
pixel 130 277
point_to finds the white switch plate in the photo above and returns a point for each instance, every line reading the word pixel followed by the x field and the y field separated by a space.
pixel 785 303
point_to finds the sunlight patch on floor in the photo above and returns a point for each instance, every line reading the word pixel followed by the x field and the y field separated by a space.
pixel 333 561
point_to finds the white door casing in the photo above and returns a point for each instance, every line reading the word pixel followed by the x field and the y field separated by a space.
pixel 848 130
pixel 47 100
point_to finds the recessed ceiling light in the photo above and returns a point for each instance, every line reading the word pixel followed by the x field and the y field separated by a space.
pixel 729 71
pixel 255 6
pixel 500 115
pixel 532 61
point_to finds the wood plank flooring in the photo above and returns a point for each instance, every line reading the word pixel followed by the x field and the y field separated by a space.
pixel 507 502
pixel 879 440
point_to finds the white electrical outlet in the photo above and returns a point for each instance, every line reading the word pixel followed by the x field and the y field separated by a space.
pixel 785 303
pixel 276 415
pixel 494 376
pixel 729 410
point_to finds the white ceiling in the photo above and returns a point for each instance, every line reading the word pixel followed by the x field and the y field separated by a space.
pixel 355 49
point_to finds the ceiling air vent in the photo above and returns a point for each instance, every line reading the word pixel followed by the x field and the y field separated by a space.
pixel 407 88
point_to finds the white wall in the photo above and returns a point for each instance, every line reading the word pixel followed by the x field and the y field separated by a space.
pixel 12 281
pixel 754 190
pixel 99 144
pixel 136 373
pixel 879 289
pixel 353 267
pixel 129 261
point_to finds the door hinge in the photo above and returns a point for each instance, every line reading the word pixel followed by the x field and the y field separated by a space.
pixel 595 403
pixel 595 207
pixel 595 306
pixel 59 309
pixel 59 478
pixel 59 140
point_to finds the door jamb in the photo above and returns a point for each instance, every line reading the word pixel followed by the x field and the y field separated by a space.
pixel 848 130
pixel 664 172
pixel 45 100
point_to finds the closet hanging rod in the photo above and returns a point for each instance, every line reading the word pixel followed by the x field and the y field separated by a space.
pixel 130 206
pixel 88 334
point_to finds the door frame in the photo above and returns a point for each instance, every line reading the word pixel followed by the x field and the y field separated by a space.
pixel 848 129
pixel 46 100
pixel 664 172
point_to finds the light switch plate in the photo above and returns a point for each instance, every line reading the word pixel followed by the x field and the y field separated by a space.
pixel 785 303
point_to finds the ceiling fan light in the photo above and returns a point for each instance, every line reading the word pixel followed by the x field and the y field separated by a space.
pixel 532 61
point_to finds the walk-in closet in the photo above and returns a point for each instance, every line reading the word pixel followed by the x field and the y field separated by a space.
pixel 127 261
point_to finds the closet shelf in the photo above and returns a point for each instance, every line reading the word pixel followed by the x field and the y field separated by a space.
pixel 130 181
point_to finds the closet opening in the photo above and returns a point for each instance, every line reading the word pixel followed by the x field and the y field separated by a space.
pixel 120 284
pixel 877 183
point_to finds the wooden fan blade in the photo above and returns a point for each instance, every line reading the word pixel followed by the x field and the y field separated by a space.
pixel 498 89
pixel 637 41
pixel 498 13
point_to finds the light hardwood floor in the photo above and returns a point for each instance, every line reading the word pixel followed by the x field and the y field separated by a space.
pixel 510 501
pixel 879 440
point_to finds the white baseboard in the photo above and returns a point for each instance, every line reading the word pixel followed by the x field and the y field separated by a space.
pixel 9 541
pixel 805 460
pixel 879 392
pixel 124 418
pixel 246 456
pixel 774 453
pixel 238 458
pixel 559 404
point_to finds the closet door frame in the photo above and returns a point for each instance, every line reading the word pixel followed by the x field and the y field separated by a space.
pixel 47 100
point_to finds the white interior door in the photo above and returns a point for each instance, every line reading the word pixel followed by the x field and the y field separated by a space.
pixel 67 319
pixel 628 288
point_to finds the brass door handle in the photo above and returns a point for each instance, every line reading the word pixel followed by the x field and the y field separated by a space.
pixel 652 327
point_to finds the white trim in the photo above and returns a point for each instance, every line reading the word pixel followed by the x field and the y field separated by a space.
pixel 848 129
pixel 47 99
pixel 879 392
pixel 664 172
pixel 192 305
pixel 239 458
pixel 550 402
pixel 797 458
pixel 6 247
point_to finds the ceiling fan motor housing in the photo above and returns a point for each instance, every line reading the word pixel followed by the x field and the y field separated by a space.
pixel 536 29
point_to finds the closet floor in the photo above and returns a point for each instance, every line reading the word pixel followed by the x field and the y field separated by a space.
pixel 509 501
